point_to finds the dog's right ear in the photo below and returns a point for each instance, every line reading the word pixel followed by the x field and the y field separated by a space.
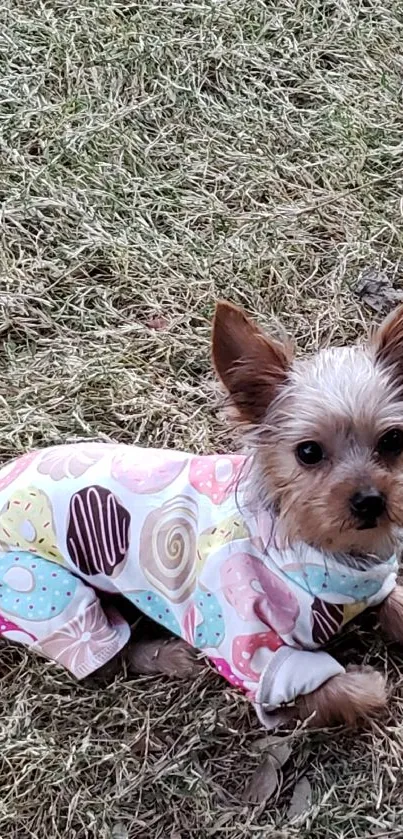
pixel 251 366
pixel 387 341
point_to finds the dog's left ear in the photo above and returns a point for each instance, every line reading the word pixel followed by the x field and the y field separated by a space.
pixel 388 341
pixel 250 365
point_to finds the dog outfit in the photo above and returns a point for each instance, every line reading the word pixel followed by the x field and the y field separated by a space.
pixel 173 534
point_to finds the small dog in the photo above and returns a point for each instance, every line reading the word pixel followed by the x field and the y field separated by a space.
pixel 326 440
pixel 255 559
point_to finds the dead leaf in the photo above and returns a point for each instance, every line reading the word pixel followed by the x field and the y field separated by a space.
pixel 301 798
pixel 376 289
pixel 263 783
pixel 267 778
pixel 261 744
pixel 280 749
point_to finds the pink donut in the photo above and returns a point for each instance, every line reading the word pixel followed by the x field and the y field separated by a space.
pixel 225 671
pixel 150 474
pixel 215 475
pixel 7 626
pixel 250 653
pixel 12 470
pixel 255 592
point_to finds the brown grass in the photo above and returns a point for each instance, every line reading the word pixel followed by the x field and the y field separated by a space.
pixel 156 156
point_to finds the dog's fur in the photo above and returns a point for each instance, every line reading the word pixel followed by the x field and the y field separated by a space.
pixel 346 399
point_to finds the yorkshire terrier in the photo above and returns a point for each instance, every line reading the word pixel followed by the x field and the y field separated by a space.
pixel 325 437
pixel 256 560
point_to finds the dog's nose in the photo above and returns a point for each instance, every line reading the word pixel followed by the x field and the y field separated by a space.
pixel 367 504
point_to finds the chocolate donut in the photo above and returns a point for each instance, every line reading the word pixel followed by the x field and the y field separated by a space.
pixel 327 619
pixel 98 531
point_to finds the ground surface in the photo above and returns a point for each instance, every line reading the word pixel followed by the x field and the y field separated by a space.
pixel 156 156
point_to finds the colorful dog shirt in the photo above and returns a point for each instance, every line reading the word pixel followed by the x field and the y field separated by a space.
pixel 172 533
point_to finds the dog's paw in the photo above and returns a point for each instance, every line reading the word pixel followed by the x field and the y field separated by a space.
pixel 348 698
pixel 172 657
pixel 391 615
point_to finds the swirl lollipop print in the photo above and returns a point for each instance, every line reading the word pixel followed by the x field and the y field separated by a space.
pixel 168 548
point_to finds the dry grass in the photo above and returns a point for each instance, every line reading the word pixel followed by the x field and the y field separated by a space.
pixel 154 156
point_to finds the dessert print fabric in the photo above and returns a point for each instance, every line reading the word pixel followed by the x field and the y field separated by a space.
pixel 173 534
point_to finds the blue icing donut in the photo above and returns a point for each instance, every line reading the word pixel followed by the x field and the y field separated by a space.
pixel 155 607
pixel 317 580
pixel 34 588
pixel 210 631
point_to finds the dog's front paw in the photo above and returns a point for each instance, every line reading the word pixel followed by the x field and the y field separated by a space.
pixel 348 698
pixel 391 615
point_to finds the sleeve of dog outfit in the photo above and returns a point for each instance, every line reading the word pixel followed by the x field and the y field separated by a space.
pixel 291 674
pixel 326 603
pixel 278 609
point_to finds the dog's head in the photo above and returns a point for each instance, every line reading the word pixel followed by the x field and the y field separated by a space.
pixel 326 432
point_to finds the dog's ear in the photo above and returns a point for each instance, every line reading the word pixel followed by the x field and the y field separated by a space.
pixel 388 341
pixel 251 366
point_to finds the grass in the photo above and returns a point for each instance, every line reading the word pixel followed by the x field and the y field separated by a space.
pixel 157 155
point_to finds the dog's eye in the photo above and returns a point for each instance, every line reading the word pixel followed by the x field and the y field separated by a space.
pixel 309 453
pixel 391 443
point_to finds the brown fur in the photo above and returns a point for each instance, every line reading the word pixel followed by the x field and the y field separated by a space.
pixel 391 615
pixel 345 399
pixel 348 698
pixel 251 366
pixel 388 342
pixel 169 657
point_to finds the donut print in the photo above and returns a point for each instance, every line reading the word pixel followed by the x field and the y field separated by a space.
pixel 33 588
pixel 215 476
pixel 80 644
pixel 27 523
pixel 155 607
pixel 352 610
pixel 203 622
pixel 12 470
pixel 168 548
pixel 251 653
pixel 97 531
pixel 255 591
pixel 320 580
pixel 70 461
pixel 327 619
pixel 152 473
pixel 225 671
pixel 10 630
pixel 228 530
